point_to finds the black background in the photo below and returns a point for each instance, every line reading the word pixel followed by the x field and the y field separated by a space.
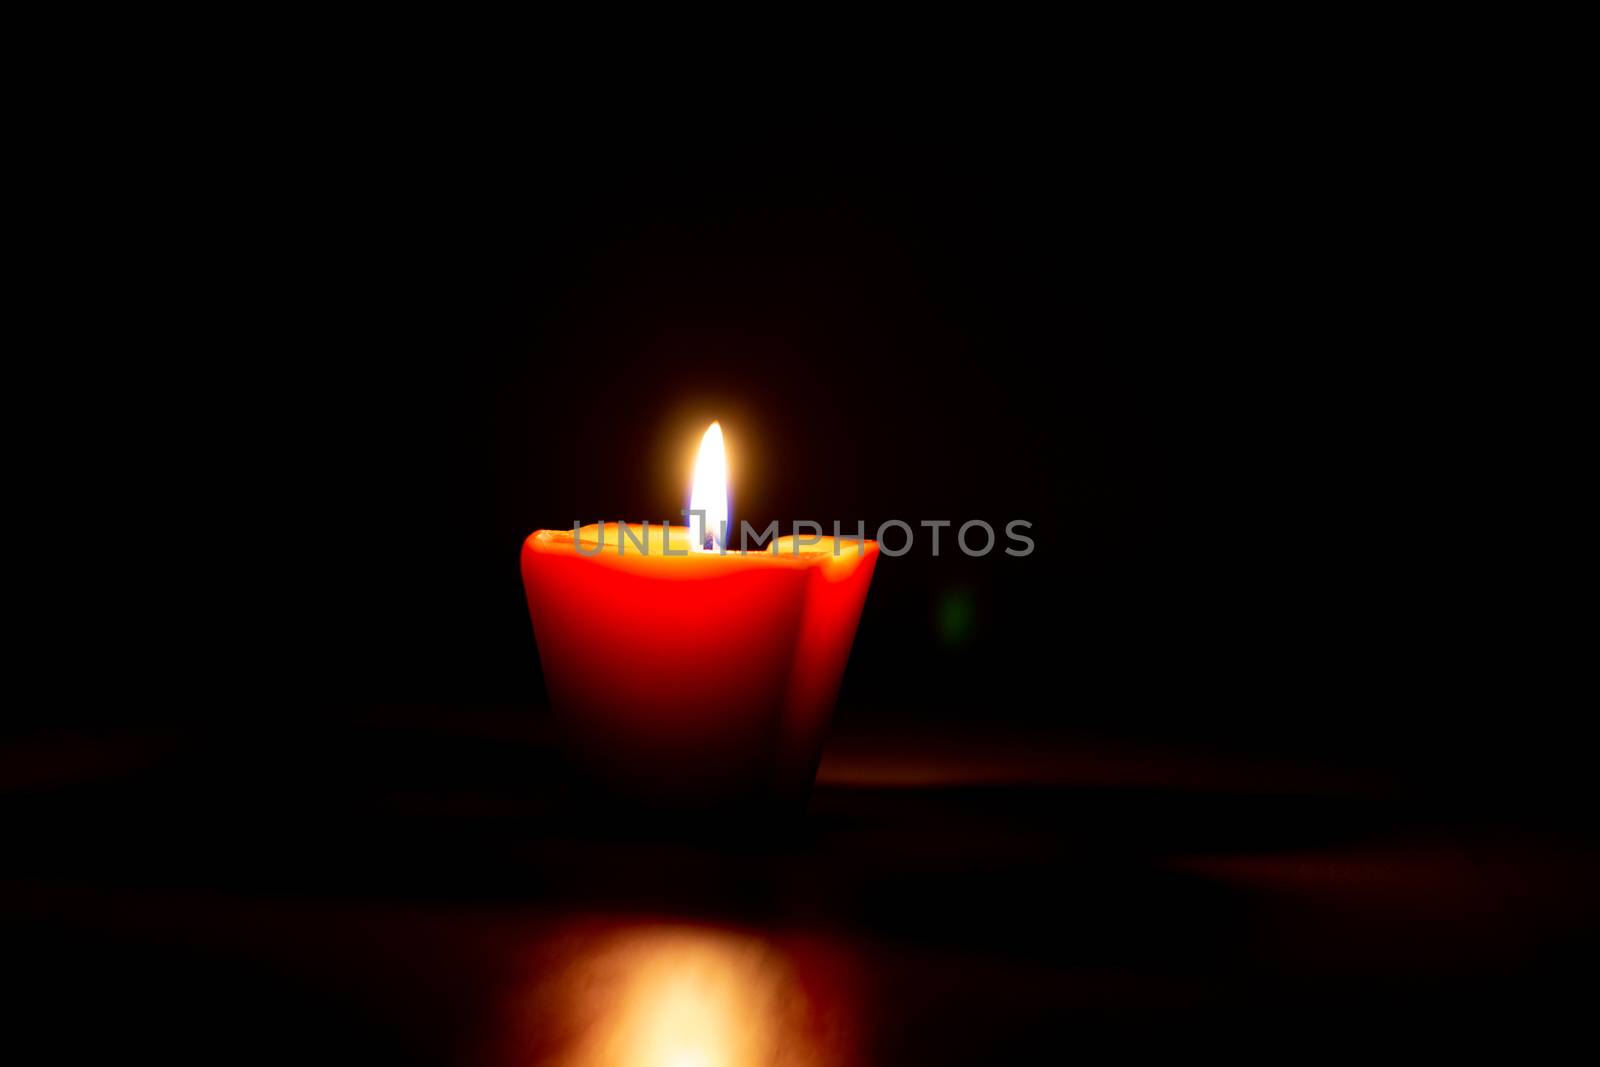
pixel 1196 356
pixel 1240 363
pixel 1249 367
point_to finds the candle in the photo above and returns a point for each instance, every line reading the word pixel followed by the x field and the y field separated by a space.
pixel 681 668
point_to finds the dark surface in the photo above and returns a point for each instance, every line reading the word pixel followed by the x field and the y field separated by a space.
pixel 426 886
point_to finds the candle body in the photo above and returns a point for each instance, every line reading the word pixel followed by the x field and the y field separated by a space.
pixel 697 678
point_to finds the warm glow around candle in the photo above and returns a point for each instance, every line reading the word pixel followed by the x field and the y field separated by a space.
pixel 710 491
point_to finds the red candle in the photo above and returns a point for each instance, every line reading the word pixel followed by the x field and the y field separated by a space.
pixel 695 673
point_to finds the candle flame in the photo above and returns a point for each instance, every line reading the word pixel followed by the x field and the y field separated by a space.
pixel 710 492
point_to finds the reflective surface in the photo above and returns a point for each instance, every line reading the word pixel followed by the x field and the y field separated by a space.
pixel 432 892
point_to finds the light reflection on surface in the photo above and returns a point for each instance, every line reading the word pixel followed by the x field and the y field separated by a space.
pixel 670 995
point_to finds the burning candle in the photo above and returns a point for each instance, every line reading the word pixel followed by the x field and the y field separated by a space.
pixel 681 667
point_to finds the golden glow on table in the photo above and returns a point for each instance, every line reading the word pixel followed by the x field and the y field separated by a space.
pixel 667 995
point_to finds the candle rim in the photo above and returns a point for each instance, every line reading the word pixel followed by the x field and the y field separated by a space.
pixel 786 548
